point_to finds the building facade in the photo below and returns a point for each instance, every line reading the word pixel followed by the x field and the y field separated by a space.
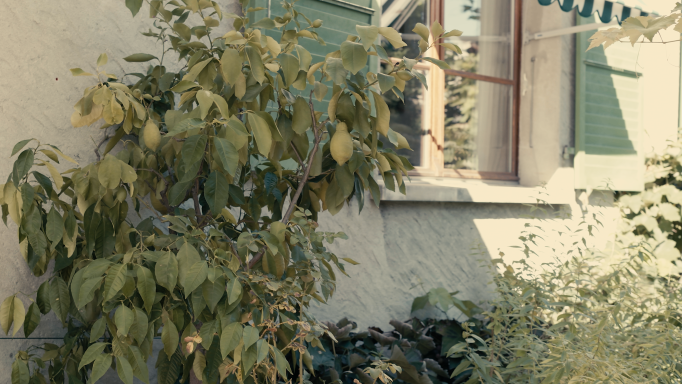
pixel 519 117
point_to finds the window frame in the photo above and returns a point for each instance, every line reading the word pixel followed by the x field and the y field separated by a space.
pixel 434 158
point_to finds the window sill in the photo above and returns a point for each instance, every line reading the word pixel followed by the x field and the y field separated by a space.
pixel 443 189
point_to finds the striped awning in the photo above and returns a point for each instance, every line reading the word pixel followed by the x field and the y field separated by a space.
pixel 606 9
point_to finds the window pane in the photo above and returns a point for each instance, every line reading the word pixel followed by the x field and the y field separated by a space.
pixel 409 120
pixel 477 125
pixel 486 41
pixel 403 15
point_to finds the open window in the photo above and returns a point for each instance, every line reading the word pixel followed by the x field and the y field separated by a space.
pixel 466 123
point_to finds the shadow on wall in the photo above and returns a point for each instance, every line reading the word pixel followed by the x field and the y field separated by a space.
pixel 403 243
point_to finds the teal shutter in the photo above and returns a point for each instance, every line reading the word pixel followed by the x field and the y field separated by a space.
pixel 608 116
pixel 339 18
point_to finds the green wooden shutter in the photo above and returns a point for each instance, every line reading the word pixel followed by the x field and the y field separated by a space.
pixel 608 116
pixel 339 18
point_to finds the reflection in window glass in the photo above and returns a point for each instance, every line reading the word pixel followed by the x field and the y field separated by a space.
pixel 403 15
pixel 408 119
pixel 486 40
pixel 477 125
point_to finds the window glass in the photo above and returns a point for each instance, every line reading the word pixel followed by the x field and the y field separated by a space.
pixel 486 41
pixel 409 118
pixel 477 125
pixel 403 15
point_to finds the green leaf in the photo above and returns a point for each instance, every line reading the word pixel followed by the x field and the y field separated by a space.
pixel 216 191
pixel 251 335
pixel 392 36
pixel 185 125
pixel 213 361
pixel 169 367
pixel 374 189
pixel 115 280
pixel 109 172
pixel 205 99
pixel 87 291
pixel 7 314
pixel 228 154
pixel 22 166
pixel 20 373
pixel 79 72
pixel 193 150
pixel 123 319
pixel 230 338
pixel 249 356
pixel 385 82
pixel 261 132
pixel 281 363
pixel 97 329
pixel 234 290
pixel 419 303
pixel 257 68
pixel 101 366
pixel 354 56
pixel 183 85
pixel 166 271
pixel 195 277
pixel 124 370
pixel 140 325
pixel 231 63
pixel 55 226
pixel 421 30
pixel 383 114
pixel 102 59
pixel 454 32
pixel 170 338
pixel 43 297
pixel 262 348
pixel 146 286
pixel 105 242
pixel 139 58
pixel 368 34
pixel 19 146
pixel 335 69
pixel 302 119
pixel 441 64
pixel 134 6
pixel 320 90
pixel 213 292
pixel 91 354
pixel 290 66
pixel 32 319
pixel 60 299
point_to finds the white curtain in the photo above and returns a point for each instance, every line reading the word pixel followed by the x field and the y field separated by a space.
pixel 493 139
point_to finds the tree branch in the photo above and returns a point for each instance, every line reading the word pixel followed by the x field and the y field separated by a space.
pixel 304 179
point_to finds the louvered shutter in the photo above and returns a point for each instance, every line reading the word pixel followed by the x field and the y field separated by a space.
pixel 339 18
pixel 608 116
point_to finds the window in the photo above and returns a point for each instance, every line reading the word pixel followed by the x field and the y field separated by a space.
pixel 466 123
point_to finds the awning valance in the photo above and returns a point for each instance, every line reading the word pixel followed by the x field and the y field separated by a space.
pixel 606 9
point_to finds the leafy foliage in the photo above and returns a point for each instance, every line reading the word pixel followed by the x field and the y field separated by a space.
pixel 652 217
pixel 234 162
pixel 636 29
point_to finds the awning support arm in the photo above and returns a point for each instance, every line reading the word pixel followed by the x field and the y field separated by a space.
pixel 568 31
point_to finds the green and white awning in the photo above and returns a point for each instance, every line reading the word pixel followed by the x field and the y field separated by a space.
pixel 607 9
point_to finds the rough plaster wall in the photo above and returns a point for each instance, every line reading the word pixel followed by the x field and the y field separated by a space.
pixel 436 244
pixel 546 116
pixel 42 40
